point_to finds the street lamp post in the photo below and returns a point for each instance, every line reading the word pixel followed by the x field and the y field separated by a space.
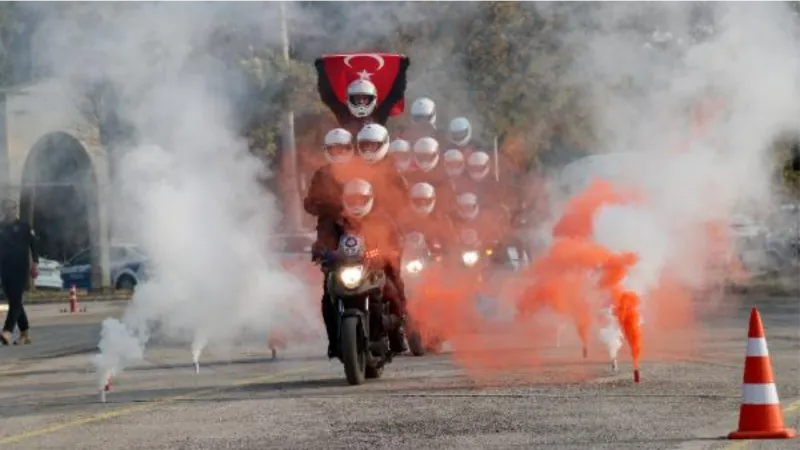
pixel 288 149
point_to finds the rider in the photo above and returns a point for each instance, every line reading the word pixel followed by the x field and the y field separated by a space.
pixel 400 152
pixel 426 158
pixel 459 133
pixel 324 201
pixel 362 100
pixel 391 189
pixel 484 220
pixel 429 217
pixel 454 164
pixel 423 120
pixel 381 233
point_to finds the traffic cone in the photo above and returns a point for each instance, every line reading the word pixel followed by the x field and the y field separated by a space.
pixel 73 299
pixel 760 416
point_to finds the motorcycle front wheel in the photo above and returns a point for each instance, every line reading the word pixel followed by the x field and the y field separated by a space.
pixel 353 351
pixel 415 343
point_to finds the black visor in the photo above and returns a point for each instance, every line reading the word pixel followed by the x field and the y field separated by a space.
pixel 422 203
pixel 339 149
pixel 369 146
pixel 459 136
pixel 454 165
pixel 361 99
pixel 357 200
pixel 425 158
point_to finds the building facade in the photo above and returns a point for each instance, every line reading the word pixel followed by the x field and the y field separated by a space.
pixel 53 164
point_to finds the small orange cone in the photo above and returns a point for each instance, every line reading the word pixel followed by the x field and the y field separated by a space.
pixel 73 299
pixel 760 416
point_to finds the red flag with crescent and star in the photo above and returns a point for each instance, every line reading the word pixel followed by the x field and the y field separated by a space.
pixel 385 70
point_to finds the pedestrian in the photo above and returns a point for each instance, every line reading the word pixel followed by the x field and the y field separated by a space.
pixel 18 268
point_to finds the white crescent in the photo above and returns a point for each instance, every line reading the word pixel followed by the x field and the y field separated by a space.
pixel 374 56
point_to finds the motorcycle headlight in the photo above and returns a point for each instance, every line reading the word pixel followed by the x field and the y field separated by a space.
pixel 351 276
pixel 469 258
pixel 414 266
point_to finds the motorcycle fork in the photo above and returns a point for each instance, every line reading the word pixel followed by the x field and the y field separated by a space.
pixel 364 315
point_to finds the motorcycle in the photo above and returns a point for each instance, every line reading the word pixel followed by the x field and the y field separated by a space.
pixel 417 256
pixel 487 261
pixel 355 281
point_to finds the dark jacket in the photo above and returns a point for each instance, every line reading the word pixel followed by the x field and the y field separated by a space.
pixel 17 250
pixel 389 187
pixel 437 177
pixel 436 227
pixel 324 201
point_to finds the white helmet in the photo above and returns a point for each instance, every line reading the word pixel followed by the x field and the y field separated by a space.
pixel 426 153
pixel 372 142
pixel 400 151
pixel 362 97
pixel 423 198
pixel 478 165
pixel 358 197
pixel 467 204
pixel 338 146
pixel 423 109
pixel 454 162
pixel 460 131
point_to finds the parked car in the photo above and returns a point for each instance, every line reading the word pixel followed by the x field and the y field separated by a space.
pixel 49 275
pixel 128 267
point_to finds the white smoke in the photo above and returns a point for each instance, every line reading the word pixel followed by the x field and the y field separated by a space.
pixel 190 190
pixel 644 86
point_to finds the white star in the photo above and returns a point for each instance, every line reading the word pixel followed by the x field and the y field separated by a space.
pixel 364 75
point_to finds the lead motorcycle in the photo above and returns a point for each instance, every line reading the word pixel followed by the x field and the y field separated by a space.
pixel 355 280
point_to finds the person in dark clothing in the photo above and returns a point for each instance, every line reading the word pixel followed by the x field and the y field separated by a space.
pixel 432 171
pixel 18 267
pixel 429 217
pixel 362 105
pixel 324 201
pixel 423 122
pixel 459 136
pixel 382 233
pixel 401 156
pixel 390 187
pixel 324 197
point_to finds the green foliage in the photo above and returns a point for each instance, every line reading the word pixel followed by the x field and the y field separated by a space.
pixel 276 86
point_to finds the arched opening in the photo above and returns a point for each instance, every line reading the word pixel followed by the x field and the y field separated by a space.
pixel 59 195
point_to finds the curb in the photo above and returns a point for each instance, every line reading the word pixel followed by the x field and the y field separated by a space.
pixel 775 289
pixel 87 299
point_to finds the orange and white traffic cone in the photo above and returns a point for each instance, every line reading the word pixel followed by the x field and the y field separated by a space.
pixel 73 299
pixel 760 416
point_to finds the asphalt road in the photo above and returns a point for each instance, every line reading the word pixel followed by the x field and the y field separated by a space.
pixel 48 396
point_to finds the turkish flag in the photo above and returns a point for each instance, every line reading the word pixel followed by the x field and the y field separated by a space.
pixel 386 71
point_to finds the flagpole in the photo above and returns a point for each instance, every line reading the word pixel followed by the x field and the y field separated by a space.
pixel 496 161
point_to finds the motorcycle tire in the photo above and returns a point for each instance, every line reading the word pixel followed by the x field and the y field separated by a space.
pixel 415 343
pixel 353 353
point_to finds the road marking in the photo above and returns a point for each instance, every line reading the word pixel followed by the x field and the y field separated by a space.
pixel 789 410
pixel 150 405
